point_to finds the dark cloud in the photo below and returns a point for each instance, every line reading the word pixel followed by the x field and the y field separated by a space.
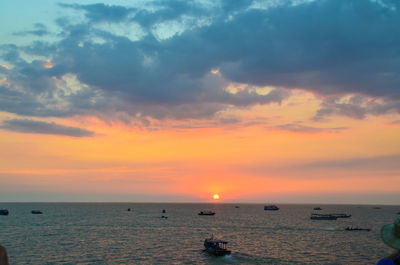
pixel 32 126
pixel 330 47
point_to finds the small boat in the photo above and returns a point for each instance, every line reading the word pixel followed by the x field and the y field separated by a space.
pixel 206 213
pixel 4 212
pixel 216 246
pixel 341 215
pixel 164 211
pixel 357 229
pixel 315 216
pixel 36 212
pixel 398 212
pixel 237 206
pixel 271 208
pixel 376 208
pixel 129 209
pixel 317 209
pixel 164 217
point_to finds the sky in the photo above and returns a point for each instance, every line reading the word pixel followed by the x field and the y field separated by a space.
pixel 291 101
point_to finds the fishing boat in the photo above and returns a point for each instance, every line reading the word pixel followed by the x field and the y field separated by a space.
pixel 315 216
pixel 271 208
pixel 317 209
pixel 341 215
pixel 4 212
pixel 357 229
pixel 216 247
pixel 36 212
pixel 206 213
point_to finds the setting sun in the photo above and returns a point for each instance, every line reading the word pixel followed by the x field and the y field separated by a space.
pixel 216 197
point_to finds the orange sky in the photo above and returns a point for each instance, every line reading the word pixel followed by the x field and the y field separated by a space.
pixel 240 162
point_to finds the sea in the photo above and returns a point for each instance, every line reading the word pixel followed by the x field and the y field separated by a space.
pixel 106 233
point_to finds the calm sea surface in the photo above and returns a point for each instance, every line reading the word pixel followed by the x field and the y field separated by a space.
pixel 97 233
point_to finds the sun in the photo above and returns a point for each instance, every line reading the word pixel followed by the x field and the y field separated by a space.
pixel 216 197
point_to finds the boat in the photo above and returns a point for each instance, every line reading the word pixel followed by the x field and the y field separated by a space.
pixel 271 208
pixel 398 212
pixel 216 247
pixel 357 229
pixel 317 209
pixel 237 207
pixel 341 215
pixel 4 212
pixel 163 211
pixel 315 216
pixel 36 212
pixel 129 209
pixel 164 217
pixel 206 213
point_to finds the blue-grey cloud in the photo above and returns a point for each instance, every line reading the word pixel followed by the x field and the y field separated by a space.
pixel 41 127
pixel 39 30
pixel 331 47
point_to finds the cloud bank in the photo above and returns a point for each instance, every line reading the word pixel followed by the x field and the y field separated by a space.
pixel 176 59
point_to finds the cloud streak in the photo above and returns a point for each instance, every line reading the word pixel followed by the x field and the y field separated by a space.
pixel 40 127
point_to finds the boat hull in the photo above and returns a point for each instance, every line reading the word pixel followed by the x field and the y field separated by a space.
pixel 218 252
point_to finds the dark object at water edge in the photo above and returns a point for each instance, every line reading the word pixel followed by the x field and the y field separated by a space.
pixel 206 213
pixel 271 208
pixel 36 212
pixel 216 247
pixel 4 212
pixel 315 216
pixel 356 229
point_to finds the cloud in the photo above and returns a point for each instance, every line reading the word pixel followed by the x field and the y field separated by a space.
pixel 297 127
pixel 329 47
pixel 39 30
pixel 378 163
pixel 356 106
pixel 32 126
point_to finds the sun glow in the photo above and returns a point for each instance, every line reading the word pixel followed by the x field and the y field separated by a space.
pixel 216 197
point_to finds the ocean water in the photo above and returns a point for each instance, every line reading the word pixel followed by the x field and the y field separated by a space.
pixel 106 233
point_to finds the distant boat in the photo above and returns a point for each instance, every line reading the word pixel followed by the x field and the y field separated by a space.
pixel 341 215
pixel 163 211
pixel 36 212
pixel 315 216
pixel 237 206
pixel 376 208
pixel 271 208
pixel 129 209
pixel 4 212
pixel 317 209
pixel 398 212
pixel 164 217
pixel 357 229
pixel 216 246
pixel 206 213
